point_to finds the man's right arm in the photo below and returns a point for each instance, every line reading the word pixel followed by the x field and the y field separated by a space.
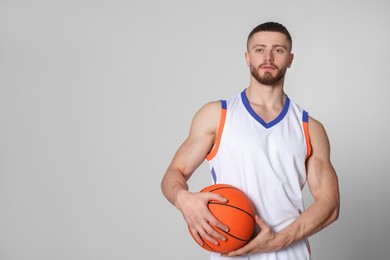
pixel 187 159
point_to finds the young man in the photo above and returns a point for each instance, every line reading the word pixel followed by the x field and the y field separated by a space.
pixel 264 144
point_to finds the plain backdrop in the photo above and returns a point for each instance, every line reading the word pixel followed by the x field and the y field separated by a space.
pixel 96 96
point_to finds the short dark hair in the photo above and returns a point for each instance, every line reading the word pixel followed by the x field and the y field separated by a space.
pixel 270 27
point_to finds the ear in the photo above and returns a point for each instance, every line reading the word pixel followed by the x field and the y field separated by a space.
pixel 247 58
pixel 291 59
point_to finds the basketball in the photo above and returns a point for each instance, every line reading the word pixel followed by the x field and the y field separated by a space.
pixel 237 213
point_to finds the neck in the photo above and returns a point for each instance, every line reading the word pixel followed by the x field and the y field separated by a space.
pixel 264 95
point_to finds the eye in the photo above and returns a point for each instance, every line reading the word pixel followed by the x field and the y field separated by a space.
pixel 279 50
pixel 259 50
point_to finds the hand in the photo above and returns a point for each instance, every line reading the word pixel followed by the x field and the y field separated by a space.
pixel 266 241
pixel 200 220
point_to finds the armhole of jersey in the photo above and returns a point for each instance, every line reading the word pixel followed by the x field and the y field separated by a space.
pixel 305 122
pixel 222 119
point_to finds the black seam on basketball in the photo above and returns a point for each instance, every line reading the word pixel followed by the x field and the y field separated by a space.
pixel 227 233
pixel 219 251
pixel 227 205
pixel 220 188
pixel 213 249
pixel 207 245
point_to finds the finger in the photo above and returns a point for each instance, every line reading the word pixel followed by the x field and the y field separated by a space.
pixel 207 236
pixel 216 223
pixel 248 248
pixel 216 197
pixel 200 234
pixel 261 222
pixel 212 231
pixel 222 226
pixel 264 227
pixel 211 218
pixel 194 233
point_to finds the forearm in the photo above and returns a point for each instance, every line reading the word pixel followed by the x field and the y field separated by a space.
pixel 319 215
pixel 172 183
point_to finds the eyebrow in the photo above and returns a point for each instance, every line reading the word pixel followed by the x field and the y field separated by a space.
pixel 273 46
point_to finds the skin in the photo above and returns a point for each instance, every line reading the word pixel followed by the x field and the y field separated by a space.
pixel 268 57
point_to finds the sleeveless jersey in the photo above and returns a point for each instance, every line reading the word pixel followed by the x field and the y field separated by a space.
pixel 266 160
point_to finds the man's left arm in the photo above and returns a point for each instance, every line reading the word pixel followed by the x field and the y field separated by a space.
pixel 323 185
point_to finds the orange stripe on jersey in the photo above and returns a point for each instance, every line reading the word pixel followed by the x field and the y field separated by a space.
pixel 306 132
pixel 214 150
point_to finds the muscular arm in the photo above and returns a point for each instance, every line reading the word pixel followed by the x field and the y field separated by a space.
pixel 323 184
pixel 192 152
pixel 187 159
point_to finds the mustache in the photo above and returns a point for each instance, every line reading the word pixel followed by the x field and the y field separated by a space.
pixel 268 65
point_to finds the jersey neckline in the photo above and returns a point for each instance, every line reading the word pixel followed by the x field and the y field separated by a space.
pixel 270 124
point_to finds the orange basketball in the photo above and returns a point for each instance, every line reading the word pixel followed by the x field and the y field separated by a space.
pixel 237 213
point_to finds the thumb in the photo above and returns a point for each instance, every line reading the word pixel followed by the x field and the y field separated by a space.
pixel 261 222
pixel 217 197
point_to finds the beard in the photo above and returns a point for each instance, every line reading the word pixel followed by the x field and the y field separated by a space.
pixel 267 79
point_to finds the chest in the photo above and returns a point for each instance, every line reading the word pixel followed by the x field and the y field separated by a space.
pixel 244 134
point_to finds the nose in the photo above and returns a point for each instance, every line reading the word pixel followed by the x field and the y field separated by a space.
pixel 268 56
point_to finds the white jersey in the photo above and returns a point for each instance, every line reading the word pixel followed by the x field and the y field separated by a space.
pixel 266 160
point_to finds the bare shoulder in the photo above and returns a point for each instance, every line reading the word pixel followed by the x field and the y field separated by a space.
pixel 315 125
pixel 318 137
pixel 210 108
pixel 206 119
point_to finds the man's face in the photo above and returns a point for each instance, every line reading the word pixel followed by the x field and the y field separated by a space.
pixel 268 57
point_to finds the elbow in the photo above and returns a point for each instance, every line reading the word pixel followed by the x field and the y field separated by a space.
pixel 334 206
pixel 331 216
pixel 335 215
pixel 332 212
pixel 335 212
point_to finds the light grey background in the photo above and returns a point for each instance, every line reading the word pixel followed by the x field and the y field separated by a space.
pixel 96 96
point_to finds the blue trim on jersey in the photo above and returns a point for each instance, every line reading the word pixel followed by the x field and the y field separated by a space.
pixel 279 118
pixel 305 116
pixel 214 175
pixel 223 103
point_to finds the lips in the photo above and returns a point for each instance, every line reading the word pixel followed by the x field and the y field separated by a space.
pixel 268 67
